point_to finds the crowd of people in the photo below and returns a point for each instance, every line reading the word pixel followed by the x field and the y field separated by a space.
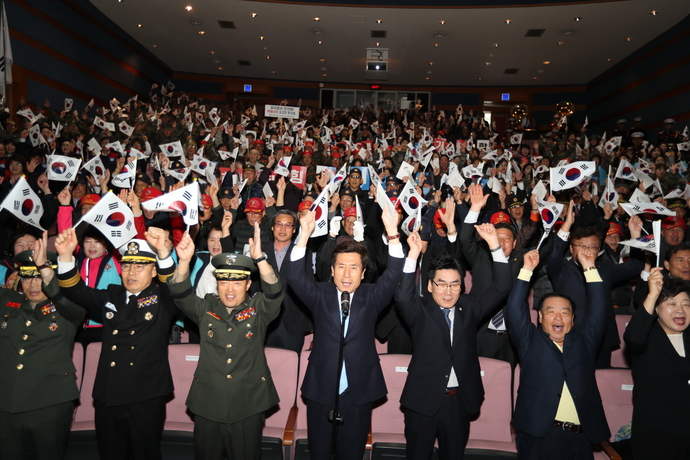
pixel 353 224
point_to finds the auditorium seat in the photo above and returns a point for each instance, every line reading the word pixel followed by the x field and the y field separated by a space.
pixel 78 359
pixel 183 359
pixel 490 432
pixel 387 419
pixel 280 420
pixel 468 281
pixel 300 449
pixel 615 387
pixel 619 357
pixel 84 418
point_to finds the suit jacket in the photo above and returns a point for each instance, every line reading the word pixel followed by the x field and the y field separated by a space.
pixel 433 354
pixel 544 367
pixel 661 396
pixel 36 369
pixel 133 365
pixel 294 314
pixel 232 380
pixel 363 369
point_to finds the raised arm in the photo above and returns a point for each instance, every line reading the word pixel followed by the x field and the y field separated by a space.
pixel 517 311
pixel 637 332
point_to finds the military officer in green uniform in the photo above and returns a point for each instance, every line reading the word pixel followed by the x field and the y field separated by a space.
pixel 133 378
pixel 232 385
pixel 37 376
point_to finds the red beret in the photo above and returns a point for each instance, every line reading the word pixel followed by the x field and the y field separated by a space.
pixel 255 205
pixel 150 193
pixel 90 199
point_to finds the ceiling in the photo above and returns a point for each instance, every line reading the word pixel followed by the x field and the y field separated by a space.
pixel 475 46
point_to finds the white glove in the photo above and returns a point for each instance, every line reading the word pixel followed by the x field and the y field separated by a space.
pixel 334 228
pixel 358 232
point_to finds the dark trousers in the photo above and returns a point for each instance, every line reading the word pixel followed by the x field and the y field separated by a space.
pixel 352 434
pixel 491 345
pixel 240 440
pixel 279 337
pixel 39 434
pixel 649 442
pixel 557 444
pixel 451 425
pixel 131 431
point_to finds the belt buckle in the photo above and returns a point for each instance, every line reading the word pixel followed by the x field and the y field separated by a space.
pixel 568 426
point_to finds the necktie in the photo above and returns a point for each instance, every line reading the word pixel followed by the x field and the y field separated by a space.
pixel 497 319
pixel 446 313
pixel 132 302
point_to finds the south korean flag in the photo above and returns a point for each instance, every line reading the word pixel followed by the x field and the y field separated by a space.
pixel 113 218
pixel 23 203
pixel 126 177
pixel 96 168
pixel 172 149
pixel 549 213
pixel 320 208
pixel 35 136
pixel 570 176
pixel 62 168
pixel 410 200
pixel 184 200
pixel 201 164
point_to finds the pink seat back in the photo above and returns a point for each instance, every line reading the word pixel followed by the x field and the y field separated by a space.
pixel 84 418
pixel 183 359
pixel 78 360
pixel 284 371
pixel 388 416
pixel 468 282
pixel 615 387
pixel 493 423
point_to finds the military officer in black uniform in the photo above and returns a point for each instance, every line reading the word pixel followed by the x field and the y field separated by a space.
pixel 37 376
pixel 638 128
pixel 668 135
pixel 133 376
pixel 232 385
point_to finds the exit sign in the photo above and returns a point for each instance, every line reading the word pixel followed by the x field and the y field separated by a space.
pixel 375 87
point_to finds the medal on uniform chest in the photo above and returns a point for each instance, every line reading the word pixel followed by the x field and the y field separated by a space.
pixel 250 334
pixel 148 316
pixel 4 322
pixel 210 334
pixel 109 315
pixel 53 326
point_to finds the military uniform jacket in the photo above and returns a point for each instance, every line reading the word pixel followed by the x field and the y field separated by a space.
pixel 232 380
pixel 133 365
pixel 36 368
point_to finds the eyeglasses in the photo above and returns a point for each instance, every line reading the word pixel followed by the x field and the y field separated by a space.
pixel 283 224
pixel 138 268
pixel 27 280
pixel 14 163
pixel 586 248
pixel 355 177
pixel 455 287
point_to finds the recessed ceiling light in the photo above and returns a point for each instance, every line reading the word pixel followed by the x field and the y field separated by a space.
pixel 320 42
pixel 508 21
pixel 609 59
pixel 546 62
pixel 378 43
pixel 479 78
pixel 262 37
pixel 139 25
pixel 379 21
pixel 188 7
pixel 487 63
pixel 253 15
pixel 443 23
pixel 578 19
pixel 496 45
pixel 268 57
pixel 212 52
pixel 654 13
pixel 431 63
pixel 317 19
pixel 220 68
pixel 273 71
pixel 324 74
pixel 560 43
pixel 436 45
pixel 155 46
pixel 535 78
pixel 322 60
pixel 201 32
pixel 629 39
pixel 426 78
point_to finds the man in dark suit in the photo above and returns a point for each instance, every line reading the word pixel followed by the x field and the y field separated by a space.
pixel 361 380
pixel 133 376
pixel 444 387
pixel 287 331
pixel 558 413
pixel 37 375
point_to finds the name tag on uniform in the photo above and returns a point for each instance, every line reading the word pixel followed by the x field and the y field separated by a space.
pixel 13 304
pixel 110 306
pixel 246 314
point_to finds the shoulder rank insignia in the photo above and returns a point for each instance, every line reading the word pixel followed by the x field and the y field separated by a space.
pixel 13 304
pixel 246 314
pixel 215 316
pixel 48 308
pixel 147 301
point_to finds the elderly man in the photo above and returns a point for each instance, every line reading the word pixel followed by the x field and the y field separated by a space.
pixel 232 387
pixel 37 376
pixel 255 212
pixel 558 413
pixel 133 377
